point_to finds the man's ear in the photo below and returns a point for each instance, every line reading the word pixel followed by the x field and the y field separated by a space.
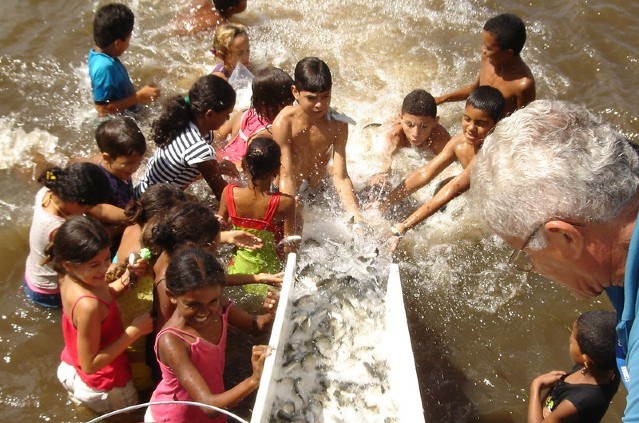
pixel 295 92
pixel 107 158
pixel 565 237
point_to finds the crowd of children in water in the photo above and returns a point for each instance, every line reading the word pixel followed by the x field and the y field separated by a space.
pixel 162 290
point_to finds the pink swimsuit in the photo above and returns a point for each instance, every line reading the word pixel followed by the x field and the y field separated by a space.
pixel 209 359
pixel 252 123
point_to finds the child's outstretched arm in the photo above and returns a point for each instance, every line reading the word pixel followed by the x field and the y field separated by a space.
pixel 341 179
pixel 421 176
pixel 254 324
pixel 282 133
pixel 176 354
pixel 245 279
pixel 108 214
pixel 210 171
pixel 88 320
pixel 144 95
pixel 459 94
pixel 565 411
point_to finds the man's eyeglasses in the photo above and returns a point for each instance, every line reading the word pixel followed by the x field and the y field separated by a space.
pixel 519 259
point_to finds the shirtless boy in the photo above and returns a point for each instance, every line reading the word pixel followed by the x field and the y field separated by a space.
pixel 484 107
pixel 416 126
pixel 503 38
pixel 206 15
pixel 309 137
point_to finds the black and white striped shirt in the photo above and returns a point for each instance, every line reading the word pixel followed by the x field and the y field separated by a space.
pixel 176 163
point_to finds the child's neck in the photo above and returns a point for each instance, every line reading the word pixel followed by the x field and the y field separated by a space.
pixel 109 51
pixel 263 186
pixel 54 205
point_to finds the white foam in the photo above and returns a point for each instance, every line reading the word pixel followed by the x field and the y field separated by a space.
pixel 18 147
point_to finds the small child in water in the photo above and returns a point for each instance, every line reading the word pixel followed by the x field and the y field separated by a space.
pixel 416 126
pixel 256 210
pixel 191 347
pixel 93 369
pixel 66 192
pixel 231 46
pixel 122 147
pixel 584 393
pixel 271 93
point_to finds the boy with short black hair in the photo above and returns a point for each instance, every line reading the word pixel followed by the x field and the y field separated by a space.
pixel 503 38
pixel 122 147
pixel 484 108
pixel 309 136
pixel 416 126
pixel 110 82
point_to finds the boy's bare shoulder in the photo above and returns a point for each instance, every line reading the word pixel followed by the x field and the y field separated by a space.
pixel 285 115
pixel 439 134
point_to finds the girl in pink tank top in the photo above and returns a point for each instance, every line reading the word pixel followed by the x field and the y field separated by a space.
pixel 271 93
pixel 94 368
pixel 191 346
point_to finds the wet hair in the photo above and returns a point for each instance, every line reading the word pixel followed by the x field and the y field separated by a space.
pixel 193 268
pixel 596 337
pixel 157 199
pixel 78 240
pixel 210 92
pixel 224 5
pixel 188 222
pixel 272 91
pixel 224 35
pixel 262 158
pixel 120 136
pixel 420 103
pixel 489 100
pixel 112 22
pixel 312 74
pixel 82 183
pixel 509 31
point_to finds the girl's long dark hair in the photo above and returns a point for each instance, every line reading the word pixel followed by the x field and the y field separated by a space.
pixel 210 92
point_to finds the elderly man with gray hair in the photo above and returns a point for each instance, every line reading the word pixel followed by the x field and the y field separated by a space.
pixel 562 189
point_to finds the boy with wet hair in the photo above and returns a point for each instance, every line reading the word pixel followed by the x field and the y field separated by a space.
pixel 206 15
pixel 110 82
pixel 416 126
pixel 502 67
pixel 484 108
pixel 309 137
pixel 122 147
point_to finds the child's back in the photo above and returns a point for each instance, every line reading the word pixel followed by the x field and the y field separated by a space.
pixel 255 209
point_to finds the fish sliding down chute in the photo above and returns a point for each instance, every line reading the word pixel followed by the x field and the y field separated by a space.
pixel 342 349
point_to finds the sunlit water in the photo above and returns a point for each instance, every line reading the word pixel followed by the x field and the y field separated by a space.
pixel 480 330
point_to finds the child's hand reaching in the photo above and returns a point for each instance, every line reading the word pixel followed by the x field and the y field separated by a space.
pixel 259 354
pixel 141 325
pixel 241 239
pixel 270 279
pixel 547 380
pixel 228 168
